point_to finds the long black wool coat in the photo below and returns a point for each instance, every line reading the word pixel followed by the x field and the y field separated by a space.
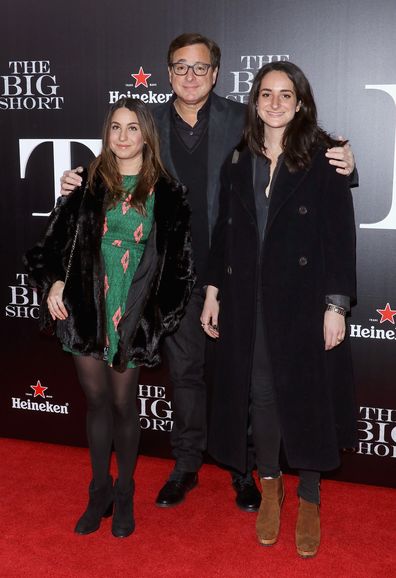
pixel 160 288
pixel 308 252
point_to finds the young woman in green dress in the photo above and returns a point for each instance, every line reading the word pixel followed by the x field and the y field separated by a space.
pixel 115 270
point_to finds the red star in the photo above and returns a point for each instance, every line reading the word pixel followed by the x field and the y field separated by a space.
pixel 141 78
pixel 38 389
pixel 387 314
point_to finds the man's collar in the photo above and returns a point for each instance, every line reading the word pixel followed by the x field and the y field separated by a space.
pixel 204 110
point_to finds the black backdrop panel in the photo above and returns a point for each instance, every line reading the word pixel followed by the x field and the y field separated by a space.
pixel 61 64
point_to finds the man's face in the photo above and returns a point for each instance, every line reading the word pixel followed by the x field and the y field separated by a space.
pixel 192 89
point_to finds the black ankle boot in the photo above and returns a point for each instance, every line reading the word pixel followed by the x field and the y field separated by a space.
pixel 100 506
pixel 123 522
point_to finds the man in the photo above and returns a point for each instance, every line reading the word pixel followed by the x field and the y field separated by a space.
pixel 198 129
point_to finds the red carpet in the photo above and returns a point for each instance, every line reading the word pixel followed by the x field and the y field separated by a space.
pixel 43 492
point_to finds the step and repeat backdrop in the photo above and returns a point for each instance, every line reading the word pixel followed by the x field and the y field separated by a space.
pixel 63 63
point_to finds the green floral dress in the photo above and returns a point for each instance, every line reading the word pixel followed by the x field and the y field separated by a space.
pixel 125 234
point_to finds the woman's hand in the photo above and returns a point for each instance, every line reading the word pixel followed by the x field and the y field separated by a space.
pixel 333 329
pixel 70 180
pixel 55 301
pixel 210 312
pixel 342 158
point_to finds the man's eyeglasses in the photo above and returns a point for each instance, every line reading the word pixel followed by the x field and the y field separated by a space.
pixel 181 69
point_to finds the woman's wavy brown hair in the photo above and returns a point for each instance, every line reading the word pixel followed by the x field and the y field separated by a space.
pixel 302 135
pixel 105 165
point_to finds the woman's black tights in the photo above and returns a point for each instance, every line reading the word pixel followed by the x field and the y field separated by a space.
pixel 265 422
pixel 112 415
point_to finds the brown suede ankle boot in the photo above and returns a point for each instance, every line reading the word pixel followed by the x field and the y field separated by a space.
pixel 307 529
pixel 268 519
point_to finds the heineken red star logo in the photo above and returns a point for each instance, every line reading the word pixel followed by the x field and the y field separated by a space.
pixel 141 78
pixel 387 314
pixel 38 389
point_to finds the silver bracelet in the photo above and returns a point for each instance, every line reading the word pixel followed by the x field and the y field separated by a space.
pixel 336 309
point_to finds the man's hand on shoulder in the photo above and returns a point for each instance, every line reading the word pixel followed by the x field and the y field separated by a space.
pixel 342 158
pixel 70 180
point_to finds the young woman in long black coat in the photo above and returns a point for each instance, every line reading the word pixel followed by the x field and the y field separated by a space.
pixel 281 278
pixel 115 271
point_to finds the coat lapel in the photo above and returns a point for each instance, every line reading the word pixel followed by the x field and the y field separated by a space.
pixel 242 179
pixel 92 217
pixel 164 210
pixel 163 122
pixel 284 187
pixel 217 144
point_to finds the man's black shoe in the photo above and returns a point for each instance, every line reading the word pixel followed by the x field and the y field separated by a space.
pixel 248 497
pixel 174 491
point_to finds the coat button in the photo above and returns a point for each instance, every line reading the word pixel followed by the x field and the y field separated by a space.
pixel 229 270
pixel 302 261
pixel 303 210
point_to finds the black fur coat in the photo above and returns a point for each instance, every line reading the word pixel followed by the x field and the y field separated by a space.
pixel 159 291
